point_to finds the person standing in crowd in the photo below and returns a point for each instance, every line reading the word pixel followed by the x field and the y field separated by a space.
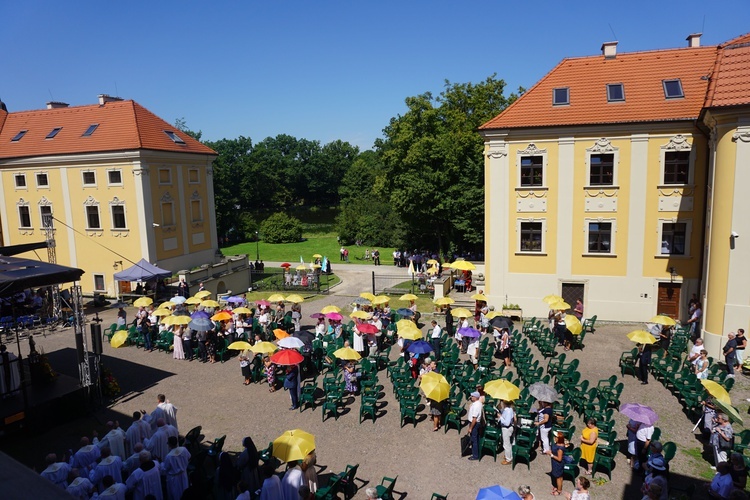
pixel 582 490
pixel 175 467
pixel 146 479
pixel 644 360
pixel 578 310
pixel 376 257
pixel 10 379
pixel 435 338
pixel 271 489
pixel 695 322
pixel 475 417
pixel 558 451
pixel 589 437
pixel 448 321
pixel 56 472
pixel 291 383
pixel 247 463
pixel 293 479
pixel 730 354
pixel 722 438
pixel 507 428
pixel 543 423
pixel 739 351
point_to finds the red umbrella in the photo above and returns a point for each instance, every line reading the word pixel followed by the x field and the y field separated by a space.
pixel 286 264
pixel 367 328
pixel 287 357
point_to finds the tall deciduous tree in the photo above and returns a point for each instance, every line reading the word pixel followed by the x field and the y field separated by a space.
pixel 432 157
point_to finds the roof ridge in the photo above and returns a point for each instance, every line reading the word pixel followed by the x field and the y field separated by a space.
pixel 137 124
pixel 637 52
pixel 737 41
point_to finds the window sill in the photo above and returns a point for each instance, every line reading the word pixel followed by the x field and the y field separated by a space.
pixel 598 188
pixel 30 228
pixel 89 186
pixel 532 188
pixel 532 253
pixel 675 186
pixel 669 256
pixel 120 229
pixel 94 229
pixel 606 255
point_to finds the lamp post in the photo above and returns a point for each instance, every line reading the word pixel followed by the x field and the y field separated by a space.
pixel 257 248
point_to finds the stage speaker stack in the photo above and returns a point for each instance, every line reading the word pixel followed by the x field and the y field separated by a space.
pixel 96 338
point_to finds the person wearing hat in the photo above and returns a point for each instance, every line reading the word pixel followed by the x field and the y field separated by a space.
pixel 657 476
pixel 476 421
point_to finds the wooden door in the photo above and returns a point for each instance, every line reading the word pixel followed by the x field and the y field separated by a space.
pixel 571 292
pixel 668 302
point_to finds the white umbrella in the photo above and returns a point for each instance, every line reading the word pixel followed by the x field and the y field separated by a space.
pixel 179 299
pixel 290 343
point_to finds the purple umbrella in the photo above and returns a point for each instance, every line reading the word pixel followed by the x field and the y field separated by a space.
pixel 318 315
pixel 497 493
pixel 639 413
pixel 200 314
pixel 420 347
pixel 235 300
pixel 469 332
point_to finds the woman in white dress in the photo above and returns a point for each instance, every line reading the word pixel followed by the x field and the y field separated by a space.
pixel 358 341
pixel 178 351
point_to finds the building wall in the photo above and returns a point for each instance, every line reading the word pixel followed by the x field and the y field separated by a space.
pixel 622 285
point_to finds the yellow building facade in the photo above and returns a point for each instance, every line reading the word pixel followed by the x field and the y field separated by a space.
pixel 609 180
pixel 131 188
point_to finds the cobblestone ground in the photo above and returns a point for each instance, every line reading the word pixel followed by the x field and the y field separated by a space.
pixel 213 396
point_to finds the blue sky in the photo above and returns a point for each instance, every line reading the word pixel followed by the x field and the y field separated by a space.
pixel 320 70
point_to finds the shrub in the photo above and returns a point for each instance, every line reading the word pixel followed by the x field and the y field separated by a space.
pixel 281 228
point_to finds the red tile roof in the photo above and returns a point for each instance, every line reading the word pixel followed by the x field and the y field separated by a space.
pixel 641 74
pixel 123 125
pixel 730 82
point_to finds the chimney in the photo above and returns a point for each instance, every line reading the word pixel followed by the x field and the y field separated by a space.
pixel 694 40
pixel 56 105
pixel 105 98
pixel 609 50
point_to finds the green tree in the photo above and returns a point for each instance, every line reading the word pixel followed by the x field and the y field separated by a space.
pixel 281 228
pixel 434 170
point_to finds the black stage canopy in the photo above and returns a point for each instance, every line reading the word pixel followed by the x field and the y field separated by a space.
pixel 18 274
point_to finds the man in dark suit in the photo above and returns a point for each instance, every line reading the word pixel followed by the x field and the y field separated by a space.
pixel 644 360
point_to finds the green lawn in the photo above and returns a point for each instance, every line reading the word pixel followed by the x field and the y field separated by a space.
pixel 324 244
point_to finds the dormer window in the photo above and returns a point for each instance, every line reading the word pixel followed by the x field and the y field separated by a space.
pixel 561 96
pixel 19 136
pixel 175 138
pixel 53 133
pixel 673 89
pixel 615 92
pixel 90 130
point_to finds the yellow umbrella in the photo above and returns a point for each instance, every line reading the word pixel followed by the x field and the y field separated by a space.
pixel 435 386
pixel 280 334
pixel 717 391
pixel 360 315
pixel 210 303
pixel 301 267
pixel 347 353
pixel 432 262
pixel 502 389
pixel 641 337
pixel 380 299
pixel 178 320
pixel 143 301
pixel 408 296
pixel 167 320
pixel 161 312
pixel 293 445
pixel 405 323
pixel 493 314
pixel 297 299
pixel 560 305
pixel 330 309
pixel 463 265
pixel 444 301
pixel 167 305
pixel 119 339
pixel 549 299
pixel 367 295
pixel 239 346
pixel 432 270
pixel 242 310
pixel 317 256
pixel 194 300
pixel 315 266
pixel 573 324
pixel 410 333
pixel 221 316
pixel 480 296
pixel 264 348
pixel 462 312
pixel 276 297
pixel 663 320
pixel 202 294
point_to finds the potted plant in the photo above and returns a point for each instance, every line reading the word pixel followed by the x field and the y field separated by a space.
pixel 513 311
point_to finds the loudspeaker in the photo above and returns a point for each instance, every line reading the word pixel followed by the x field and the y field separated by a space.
pixel 96 338
pixel 79 347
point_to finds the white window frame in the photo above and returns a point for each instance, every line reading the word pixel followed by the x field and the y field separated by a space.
pixel 104 282
pixel 688 236
pixel 109 182
pixel 118 203
pixel 24 204
pixel 44 203
pixel 18 175
pixel 83 178
pixel 197 173
pixel 531 150
pixel 543 221
pixel 36 178
pixel 678 143
pixel 612 237
pixel 603 146
pixel 91 202
pixel 169 171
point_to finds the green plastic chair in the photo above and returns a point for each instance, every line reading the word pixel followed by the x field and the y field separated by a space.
pixel 384 490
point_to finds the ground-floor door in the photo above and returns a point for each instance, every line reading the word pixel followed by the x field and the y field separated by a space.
pixel 668 301
pixel 571 292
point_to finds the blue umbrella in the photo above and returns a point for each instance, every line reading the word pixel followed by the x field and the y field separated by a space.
pixel 497 493
pixel 201 325
pixel 407 313
pixel 235 300
pixel 200 314
pixel 420 347
pixel 469 332
pixel 177 299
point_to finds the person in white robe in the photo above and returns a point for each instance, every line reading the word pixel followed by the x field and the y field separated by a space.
pixel 138 432
pixel 109 465
pixel 85 457
pixel 175 467
pixel 114 440
pixel 171 430
pixel 169 410
pixel 80 488
pixel 10 378
pixel 146 479
pixel 271 489
pixel 293 479
pixel 56 472
pixel 134 460
pixel 112 490
pixel 157 444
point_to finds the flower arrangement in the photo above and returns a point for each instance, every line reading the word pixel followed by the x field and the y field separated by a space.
pixel 110 387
